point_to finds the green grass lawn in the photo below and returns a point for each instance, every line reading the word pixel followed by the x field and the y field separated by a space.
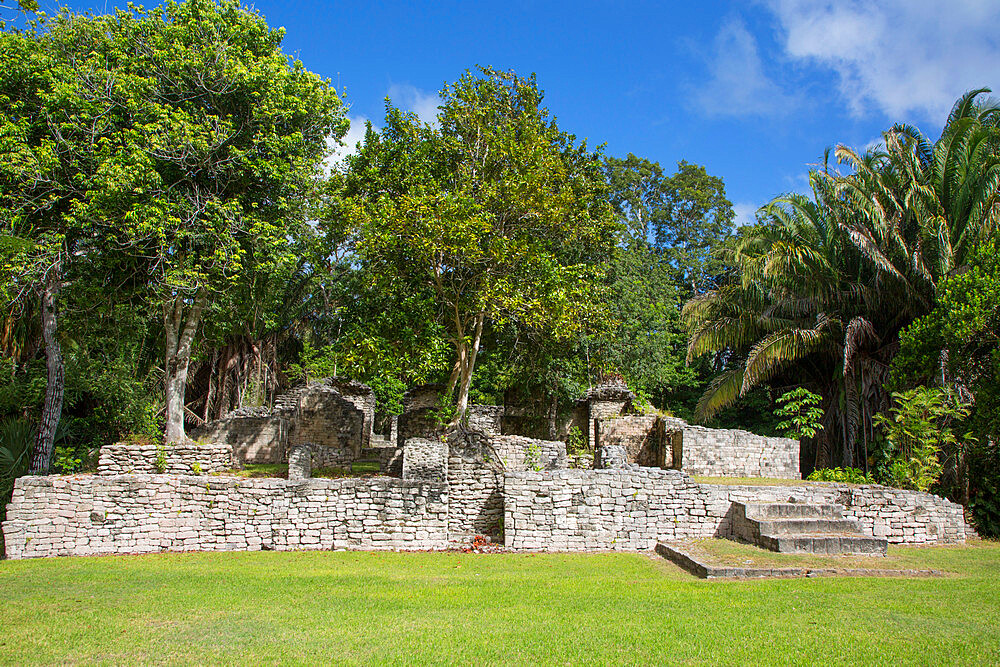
pixel 347 607
pixel 724 553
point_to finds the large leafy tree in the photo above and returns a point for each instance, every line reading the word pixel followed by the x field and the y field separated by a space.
pixel 828 282
pixel 675 224
pixel 494 211
pixel 175 147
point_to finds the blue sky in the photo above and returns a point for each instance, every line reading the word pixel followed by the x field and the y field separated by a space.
pixel 752 90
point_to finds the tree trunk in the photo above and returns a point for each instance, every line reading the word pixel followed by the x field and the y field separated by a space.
pixel 56 382
pixel 180 330
pixel 469 365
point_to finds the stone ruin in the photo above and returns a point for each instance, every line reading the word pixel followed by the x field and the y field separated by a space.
pixel 629 489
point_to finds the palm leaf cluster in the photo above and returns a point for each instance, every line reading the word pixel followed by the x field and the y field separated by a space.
pixel 823 285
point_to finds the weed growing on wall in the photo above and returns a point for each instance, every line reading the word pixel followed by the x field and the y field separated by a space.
pixel 161 459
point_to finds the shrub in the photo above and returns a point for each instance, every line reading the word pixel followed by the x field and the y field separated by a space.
pixel 803 416
pixel 575 442
pixel 161 459
pixel 919 431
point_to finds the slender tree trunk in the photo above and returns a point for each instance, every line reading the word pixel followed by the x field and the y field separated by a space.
pixel 56 382
pixel 462 404
pixel 180 330
pixel 211 384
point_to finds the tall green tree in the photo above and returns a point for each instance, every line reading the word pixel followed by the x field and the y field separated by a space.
pixel 501 216
pixel 675 226
pixel 195 142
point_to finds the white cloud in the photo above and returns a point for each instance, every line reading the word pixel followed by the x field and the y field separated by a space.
pixel 746 213
pixel 355 134
pixel 737 83
pixel 421 102
pixel 904 58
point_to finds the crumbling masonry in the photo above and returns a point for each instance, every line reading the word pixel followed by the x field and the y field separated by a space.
pixel 437 489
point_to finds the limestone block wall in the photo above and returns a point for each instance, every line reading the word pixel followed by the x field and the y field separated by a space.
pixel 642 436
pixel 95 514
pixel 475 487
pixel 299 463
pixel 422 396
pixel 600 410
pixel 126 458
pixel 516 452
pixel 476 468
pixel 485 418
pixel 327 456
pixel 733 453
pixel 388 456
pixel 420 422
pixel 625 509
pixel 633 508
pixel 363 398
pixel 327 419
pixel 425 459
pixel 254 439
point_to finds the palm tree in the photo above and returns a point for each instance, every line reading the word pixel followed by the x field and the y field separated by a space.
pixel 827 283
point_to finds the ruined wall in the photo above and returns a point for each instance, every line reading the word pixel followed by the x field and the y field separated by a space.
pixel 418 423
pixel 363 398
pixel 642 436
pixel 621 509
pixel 388 456
pixel 475 487
pixel 425 460
pixel 475 476
pixel 329 420
pixel 485 418
pixel 126 458
pixel 89 515
pixel 633 508
pixel 734 453
pixel 333 412
pixel 254 439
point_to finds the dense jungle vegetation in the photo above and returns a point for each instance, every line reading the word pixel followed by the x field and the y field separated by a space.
pixel 177 241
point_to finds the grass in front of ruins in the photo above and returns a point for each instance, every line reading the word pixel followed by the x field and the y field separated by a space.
pixel 349 607
pixel 727 553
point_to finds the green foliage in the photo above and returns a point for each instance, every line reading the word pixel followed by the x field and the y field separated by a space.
pixel 686 214
pixel 67 460
pixel 984 492
pixel 160 463
pixel 803 415
pixel 494 213
pixel 843 475
pixel 823 286
pixel 17 436
pixel 920 432
pixel 533 457
pixel 958 343
pixel 196 468
pixel 575 442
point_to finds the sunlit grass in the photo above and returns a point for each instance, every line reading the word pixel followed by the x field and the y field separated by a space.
pixel 337 607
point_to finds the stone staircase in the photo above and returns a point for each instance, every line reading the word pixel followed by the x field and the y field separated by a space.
pixel 802 528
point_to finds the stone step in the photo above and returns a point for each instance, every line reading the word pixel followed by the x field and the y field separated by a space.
pixel 806 526
pixel 793 511
pixel 835 543
pixel 801 528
